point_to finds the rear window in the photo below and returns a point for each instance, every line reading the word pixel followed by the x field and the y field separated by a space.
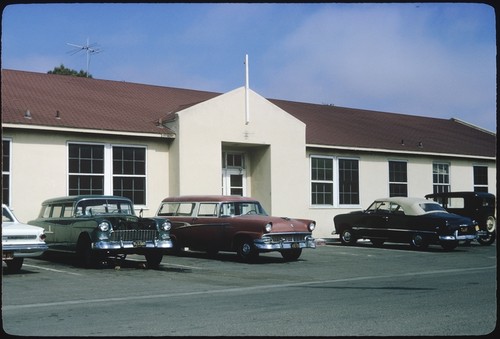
pixel 432 207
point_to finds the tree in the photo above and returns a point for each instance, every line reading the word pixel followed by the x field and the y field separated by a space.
pixel 66 71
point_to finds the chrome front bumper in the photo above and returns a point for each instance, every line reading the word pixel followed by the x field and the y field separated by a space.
pixel 130 244
pixel 456 236
pixel 263 245
pixel 22 251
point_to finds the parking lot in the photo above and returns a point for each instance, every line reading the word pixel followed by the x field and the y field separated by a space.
pixel 332 290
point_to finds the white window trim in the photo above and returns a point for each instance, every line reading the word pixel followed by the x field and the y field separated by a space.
pixel 108 166
pixel 9 170
pixel 334 182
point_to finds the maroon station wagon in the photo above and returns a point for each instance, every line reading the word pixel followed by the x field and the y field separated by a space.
pixel 234 224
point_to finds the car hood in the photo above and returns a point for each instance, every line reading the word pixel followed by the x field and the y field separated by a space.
pixel 280 224
pixel 14 228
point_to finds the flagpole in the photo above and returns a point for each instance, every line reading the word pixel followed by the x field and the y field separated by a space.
pixel 247 104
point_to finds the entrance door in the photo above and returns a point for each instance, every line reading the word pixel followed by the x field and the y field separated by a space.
pixel 233 173
pixel 233 182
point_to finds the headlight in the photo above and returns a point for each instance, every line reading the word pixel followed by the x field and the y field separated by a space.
pixel 166 225
pixel 268 227
pixel 312 226
pixel 104 226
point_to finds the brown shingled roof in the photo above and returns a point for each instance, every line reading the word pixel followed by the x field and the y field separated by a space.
pixel 355 128
pixel 85 103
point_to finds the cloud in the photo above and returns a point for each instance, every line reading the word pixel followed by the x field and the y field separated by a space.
pixel 380 58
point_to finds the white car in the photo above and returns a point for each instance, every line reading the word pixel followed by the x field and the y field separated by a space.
pixel 19 241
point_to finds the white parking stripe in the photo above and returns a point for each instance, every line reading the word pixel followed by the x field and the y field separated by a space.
pixel 51 269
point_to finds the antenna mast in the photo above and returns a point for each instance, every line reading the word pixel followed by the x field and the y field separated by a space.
pixel 89 49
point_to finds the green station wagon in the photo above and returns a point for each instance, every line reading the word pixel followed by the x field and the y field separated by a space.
pixel 97 227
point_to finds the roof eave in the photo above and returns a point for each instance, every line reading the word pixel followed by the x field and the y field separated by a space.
pixel 167 135
pixel 380 150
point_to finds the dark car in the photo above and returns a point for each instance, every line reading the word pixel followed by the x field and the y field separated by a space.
pixel 234 224
pixel 419 222
pixel 479 206
pixel 96 227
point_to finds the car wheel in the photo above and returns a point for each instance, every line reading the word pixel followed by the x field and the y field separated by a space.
pixel 377 242
pixel 347 237
pixel 153 259
pixel 291 255
pixel 491 228
pixel 14 265
pixel 418 242
pixel 449 245
pixel 488 239
pixel 246 250
pixel 86 257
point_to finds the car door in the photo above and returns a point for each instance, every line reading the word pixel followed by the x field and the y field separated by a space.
pixel 207 229
pixel 376 221
pixel 397 223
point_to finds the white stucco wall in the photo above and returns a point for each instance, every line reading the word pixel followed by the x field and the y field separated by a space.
pixel 275 139
pixel 374 181
pixel 39 167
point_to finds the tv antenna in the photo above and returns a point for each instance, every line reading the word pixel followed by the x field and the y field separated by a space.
pixel 88 48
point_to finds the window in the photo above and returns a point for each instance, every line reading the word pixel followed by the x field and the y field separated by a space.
pixel 348 182
pixel 107 169
pixel 441 177
pixel 480 178
pixel 398 179
pixel 331 188
pixel 207 210
pixel 129 173
pixel 6 172
pixel 321 181
pixel 86 169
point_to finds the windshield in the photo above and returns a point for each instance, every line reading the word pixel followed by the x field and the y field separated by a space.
pixel 103 206
pixel 230 209
pixel 6 216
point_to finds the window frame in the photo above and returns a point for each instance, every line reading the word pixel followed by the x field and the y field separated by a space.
pixel 108 170
pixel 479 187
pixel 334 182
pixel 436 186
pixel 7 173
pixel 395 182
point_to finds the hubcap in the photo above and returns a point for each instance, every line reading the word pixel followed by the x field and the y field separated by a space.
pixel 417 240
pixel 490 224
pixel 245 249
pixel 347 236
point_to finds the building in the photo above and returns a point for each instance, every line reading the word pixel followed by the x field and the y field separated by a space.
pixel 66 135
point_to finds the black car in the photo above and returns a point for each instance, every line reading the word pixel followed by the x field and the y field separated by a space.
pixel 479 206
pixel 419 222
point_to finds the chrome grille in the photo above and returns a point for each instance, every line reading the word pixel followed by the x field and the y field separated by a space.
pixel 287 237
pixel 131 235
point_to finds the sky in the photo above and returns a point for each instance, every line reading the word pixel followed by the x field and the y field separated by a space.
pixel 426 59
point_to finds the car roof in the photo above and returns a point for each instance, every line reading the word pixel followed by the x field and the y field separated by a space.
pixel 73 198
pixel 207 198
pixel 461 194
pixel 411 206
